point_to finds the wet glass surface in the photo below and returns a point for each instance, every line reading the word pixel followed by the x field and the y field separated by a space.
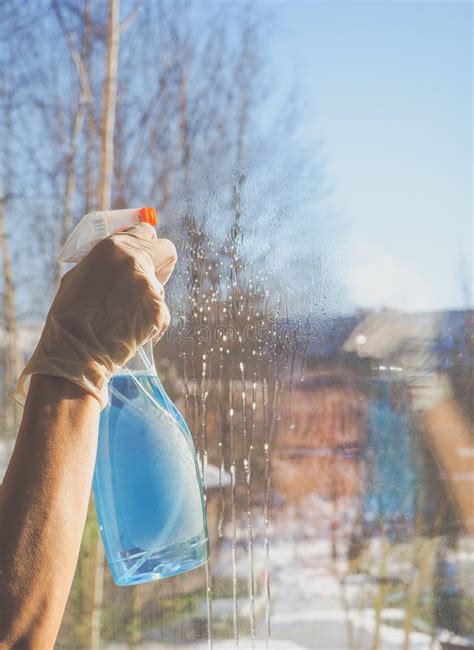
pixel 311 160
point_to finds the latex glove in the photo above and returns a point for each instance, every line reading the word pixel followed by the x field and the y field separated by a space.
pixel 106 306
pixel 406 342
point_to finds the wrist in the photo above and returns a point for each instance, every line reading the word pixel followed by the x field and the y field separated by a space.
pixel 77 368
pixel 55 392
pixel 62 387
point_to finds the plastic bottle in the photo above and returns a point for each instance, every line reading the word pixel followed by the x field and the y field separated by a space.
pixel 95 226
pixel 147 486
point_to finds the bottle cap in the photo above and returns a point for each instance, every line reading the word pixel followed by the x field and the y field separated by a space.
pixel 148 215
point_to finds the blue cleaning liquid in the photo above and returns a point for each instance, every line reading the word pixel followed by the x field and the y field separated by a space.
pixel 147 486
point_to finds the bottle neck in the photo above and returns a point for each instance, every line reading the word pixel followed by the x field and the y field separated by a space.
pixel 143 361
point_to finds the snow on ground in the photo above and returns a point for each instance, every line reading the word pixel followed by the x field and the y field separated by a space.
pixel 244 644
pixel 310 608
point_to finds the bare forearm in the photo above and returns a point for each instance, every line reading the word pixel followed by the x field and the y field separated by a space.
pixel 449 435
pixel 43 506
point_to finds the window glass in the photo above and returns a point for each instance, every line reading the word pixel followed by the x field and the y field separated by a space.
pixel 311 161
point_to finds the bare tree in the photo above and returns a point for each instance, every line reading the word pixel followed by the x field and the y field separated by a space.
pixel 11 357
pixel 109 105
pixel 104 199
pixel 81 62
pixel 11 354
pixel 164 110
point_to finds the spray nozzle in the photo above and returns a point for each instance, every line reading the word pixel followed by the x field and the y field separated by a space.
pixel 95 226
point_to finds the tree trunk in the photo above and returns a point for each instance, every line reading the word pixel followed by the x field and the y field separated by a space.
pixel 109 106
pixel 104 199
pixel 11 355
pixel 70 178
pixel 90 188
pixel 98 595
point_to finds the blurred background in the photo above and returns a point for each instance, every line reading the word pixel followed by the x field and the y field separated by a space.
pixel 312 162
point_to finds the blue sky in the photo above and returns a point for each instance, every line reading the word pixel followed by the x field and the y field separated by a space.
pixel 387 89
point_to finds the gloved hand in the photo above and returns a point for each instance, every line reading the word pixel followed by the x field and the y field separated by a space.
pixel 106 306
pixel 406 342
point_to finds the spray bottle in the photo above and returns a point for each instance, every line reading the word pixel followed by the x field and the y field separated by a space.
pixel 147 486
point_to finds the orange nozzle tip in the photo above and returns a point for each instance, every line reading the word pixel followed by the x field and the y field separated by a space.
pixel 148 215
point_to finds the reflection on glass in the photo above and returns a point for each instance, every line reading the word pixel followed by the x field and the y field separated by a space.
pixel 312 163
pixel 372 465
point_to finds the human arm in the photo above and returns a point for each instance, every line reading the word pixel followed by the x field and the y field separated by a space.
pixel 43 506
pixel 106 306
pixel 449 435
